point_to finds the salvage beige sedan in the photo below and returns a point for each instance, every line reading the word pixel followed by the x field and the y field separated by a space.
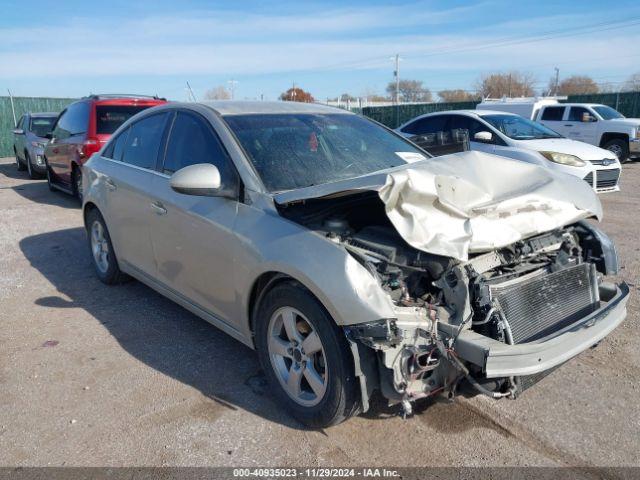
pixel 348 257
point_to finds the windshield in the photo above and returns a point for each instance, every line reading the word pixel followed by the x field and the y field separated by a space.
pixel 607 113
pixel 40 126
pixel 519 128
pixel 292 151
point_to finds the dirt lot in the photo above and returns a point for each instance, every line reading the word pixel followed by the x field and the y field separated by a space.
pixel 97 375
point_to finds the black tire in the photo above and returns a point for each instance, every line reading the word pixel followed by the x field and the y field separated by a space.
pixel 112 275
pixel 341 398
pixel 33 175
pixel 76 179
pixel 49 182
pixel 619 147
pixel 21 167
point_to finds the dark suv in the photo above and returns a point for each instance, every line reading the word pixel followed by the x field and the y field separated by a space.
pixel 81 130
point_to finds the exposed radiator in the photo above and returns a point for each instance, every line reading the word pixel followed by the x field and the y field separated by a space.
pixel 541 305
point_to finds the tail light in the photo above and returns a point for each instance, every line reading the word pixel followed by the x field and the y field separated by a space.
pixel 88 148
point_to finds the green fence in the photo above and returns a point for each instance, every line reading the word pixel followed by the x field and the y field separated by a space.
pixel 627 103
pixel 23 105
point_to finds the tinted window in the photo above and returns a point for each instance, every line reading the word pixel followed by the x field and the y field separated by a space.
pixel 74 120
pixel 143 141
pixel 427 125
pixel 191 141
pixel 467 123
pixel 575 114
pixel 553 113
pixel 298 150
pixel 116 153
pixel 110 117
pixel 40 126
pixel 20 123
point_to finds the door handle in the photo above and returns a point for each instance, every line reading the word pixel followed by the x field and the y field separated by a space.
pixel 158 208
pixel 568 125
pixel 110 185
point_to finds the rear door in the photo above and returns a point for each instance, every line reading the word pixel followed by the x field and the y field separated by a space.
pixel 553 118
pixel 193 236
pixel 128 190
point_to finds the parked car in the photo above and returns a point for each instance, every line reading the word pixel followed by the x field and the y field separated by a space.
pixel 81 130
pixel 513 136
pixel 348 257
pixel 592 123
pixel 29 139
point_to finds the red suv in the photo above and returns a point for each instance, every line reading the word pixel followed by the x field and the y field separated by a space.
pixel 81 129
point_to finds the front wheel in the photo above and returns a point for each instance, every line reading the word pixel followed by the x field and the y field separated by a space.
pixel 19 165
pixel 104 257
pixel 619 147
pixel 33 175
pixel 305 357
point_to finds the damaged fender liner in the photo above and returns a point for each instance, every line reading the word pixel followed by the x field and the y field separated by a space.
pixel 501 360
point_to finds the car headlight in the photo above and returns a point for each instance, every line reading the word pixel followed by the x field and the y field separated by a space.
pixel 564 159
pixel 38 144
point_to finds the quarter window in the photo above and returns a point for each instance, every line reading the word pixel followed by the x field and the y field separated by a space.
pixel 553 114
pixel 142 142
pixel 192 142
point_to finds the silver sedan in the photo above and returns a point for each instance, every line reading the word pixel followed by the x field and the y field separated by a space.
pixel 351 260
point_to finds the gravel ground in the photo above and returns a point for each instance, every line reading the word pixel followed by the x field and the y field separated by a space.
pixel 121 376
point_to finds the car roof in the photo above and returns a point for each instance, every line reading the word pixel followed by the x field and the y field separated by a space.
pixel 240 107
pixel 467 113
pixel 576 104
pixel 43 114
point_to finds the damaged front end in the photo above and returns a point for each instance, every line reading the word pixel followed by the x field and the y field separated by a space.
pixel 500 321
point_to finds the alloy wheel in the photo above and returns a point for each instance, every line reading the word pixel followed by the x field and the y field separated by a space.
pixel 616 150
pixel 99 247
pixel 297 356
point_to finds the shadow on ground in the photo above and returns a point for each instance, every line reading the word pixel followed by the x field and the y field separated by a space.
pixel 157 331
pixel 36 190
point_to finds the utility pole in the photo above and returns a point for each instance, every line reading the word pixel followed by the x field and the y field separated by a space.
pixel 555 89
pixel 509 85
pixel 396 74
pixel 293 92
pixel 232 87
pixel 13 108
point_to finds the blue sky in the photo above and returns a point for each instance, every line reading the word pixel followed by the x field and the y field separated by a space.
pixel 76 47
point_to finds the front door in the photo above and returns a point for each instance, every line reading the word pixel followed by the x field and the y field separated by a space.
pixel 193 236
pixel 581 124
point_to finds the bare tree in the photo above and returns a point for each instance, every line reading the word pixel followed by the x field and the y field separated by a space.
pixel 632 84
pixel 575 85
pixel 457 95
pixel 511 84
pixel 217 93
pixel 411 91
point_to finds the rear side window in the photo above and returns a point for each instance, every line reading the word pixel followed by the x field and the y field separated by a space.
pixel 191 141
pixel 73 121
pixel 426 125
pixel 116 146
pixel 553 113
pixel 142 143
pixel 110 117
pixel 576 113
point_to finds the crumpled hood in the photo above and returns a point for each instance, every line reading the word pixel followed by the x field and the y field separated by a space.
pixel 468 202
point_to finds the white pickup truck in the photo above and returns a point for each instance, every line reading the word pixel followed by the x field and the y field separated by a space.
pixel 592 123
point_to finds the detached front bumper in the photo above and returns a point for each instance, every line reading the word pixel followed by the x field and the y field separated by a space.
pixel 499 360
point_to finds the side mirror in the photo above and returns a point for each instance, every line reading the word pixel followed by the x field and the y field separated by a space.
pixel 586 117
pixel 18 131
pixel 200 179
pixel 484 137
pixel 49 136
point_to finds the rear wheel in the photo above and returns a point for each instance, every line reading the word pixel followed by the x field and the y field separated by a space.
pixel 102 253
pixel 77 183
pixel 619 147
pixel 305 357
